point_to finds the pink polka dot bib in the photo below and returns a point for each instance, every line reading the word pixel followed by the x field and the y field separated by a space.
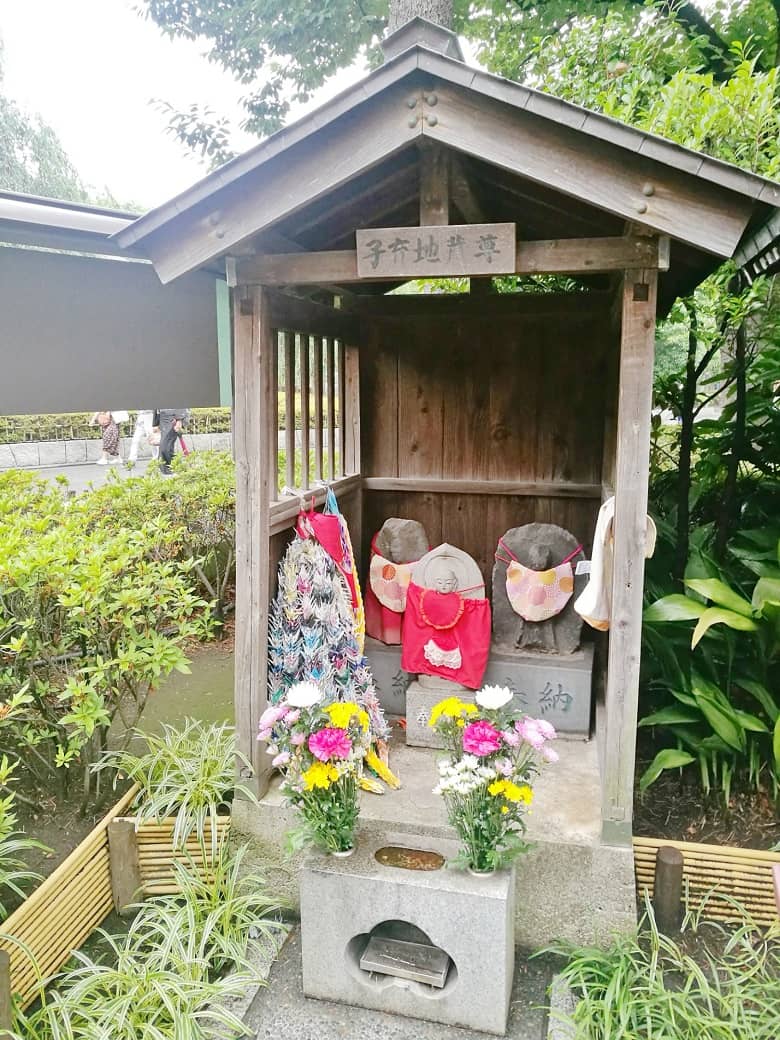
pixel 537 595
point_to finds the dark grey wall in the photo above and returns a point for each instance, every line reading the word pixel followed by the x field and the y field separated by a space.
pixel 78 334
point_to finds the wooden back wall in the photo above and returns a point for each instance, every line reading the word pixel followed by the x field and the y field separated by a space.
pixel 486 389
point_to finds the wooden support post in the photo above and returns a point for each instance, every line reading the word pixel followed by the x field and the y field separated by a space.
pixel 289 408
pixel 126 884
pixel 434 186
pixel 342 391
pixel 637 342
pixel 6 998
pixel 254 422
pixel 668 889
pixel 304 364
pixel 776 879
pixel 318 417
pixel 330 366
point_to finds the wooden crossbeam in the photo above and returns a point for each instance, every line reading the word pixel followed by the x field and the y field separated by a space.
pixel 550 256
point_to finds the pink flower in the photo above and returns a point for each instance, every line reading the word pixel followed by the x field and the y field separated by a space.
pixel 292 717
pixel 481 738
pixel 281 759
pixel 529 731
pixel 265 734
pixel 549 755
pixel 272 714
pixel 546 729
pixel 297 739
pixel 511 739
pixel 330 742
pixel 504 766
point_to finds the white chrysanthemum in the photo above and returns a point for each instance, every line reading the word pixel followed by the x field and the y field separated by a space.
pixel 469 762
pixel 304 695
pixel 493 697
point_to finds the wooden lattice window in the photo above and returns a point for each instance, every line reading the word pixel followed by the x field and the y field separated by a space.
pixel 311 404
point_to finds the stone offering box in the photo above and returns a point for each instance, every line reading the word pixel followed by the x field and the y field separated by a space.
pixel 556 687
pixel 347 902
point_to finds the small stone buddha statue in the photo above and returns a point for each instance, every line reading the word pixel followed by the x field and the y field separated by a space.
pixel 446 637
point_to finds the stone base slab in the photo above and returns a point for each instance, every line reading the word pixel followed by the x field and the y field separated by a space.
pixel 544 686
pixel 344 901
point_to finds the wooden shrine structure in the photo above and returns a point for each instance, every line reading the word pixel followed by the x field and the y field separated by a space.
pixel 472 412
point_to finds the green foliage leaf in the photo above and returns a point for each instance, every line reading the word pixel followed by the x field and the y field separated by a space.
pixel 669 716
pixel 766 591
pixel 674 608
pixel 717 591
pixel 762 695
pixel 719 615
pixel 669 758
pixel 776 747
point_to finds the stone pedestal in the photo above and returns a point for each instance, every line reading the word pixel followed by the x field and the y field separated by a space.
pixel 344 901
pixel 555 687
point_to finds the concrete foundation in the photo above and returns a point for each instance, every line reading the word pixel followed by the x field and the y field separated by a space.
pixel 570 886
pixel 345 901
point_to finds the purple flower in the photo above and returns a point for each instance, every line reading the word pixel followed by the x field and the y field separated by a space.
pixel 529 731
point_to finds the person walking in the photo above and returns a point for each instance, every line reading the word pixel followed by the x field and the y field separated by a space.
pixel 105 420
pixel 171 422
pixel 143 432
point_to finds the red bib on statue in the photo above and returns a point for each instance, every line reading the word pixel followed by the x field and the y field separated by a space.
pixel 447 635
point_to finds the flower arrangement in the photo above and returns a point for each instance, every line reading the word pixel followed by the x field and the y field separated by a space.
pixel 321 750
pixel 485 783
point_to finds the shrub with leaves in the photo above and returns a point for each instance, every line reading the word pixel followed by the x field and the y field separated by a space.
pixel 13 870
pixel 91 619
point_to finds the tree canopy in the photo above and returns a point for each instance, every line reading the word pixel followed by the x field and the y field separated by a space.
pixel 282 52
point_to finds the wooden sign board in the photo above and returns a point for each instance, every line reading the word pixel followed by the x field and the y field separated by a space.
pixel 436 252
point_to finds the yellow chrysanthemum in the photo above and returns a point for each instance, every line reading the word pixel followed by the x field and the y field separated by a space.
pixel 460 723
pixel 451 708
pixel 504 808
pixel 512 792
pixel 320 774
pixel 341 712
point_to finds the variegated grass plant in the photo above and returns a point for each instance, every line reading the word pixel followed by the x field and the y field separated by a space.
pixel 187 772
pixel 725 986
pixel 170 976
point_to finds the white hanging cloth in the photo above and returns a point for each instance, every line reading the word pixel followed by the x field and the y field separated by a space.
pixel 594 604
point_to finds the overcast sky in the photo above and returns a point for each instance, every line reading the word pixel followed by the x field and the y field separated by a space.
pixel 91 68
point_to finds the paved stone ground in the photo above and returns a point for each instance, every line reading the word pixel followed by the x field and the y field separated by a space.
pixel 281 1012
pixel 81 475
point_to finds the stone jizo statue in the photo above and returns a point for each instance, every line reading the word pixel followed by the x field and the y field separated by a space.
pixel 533 586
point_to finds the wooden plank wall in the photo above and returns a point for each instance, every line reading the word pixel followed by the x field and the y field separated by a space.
pixel 486 389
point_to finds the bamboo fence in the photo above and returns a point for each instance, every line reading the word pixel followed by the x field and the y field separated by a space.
pixel 99 876
pixel 716 877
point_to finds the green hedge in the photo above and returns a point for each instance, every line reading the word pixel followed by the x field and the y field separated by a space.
pixel 75 425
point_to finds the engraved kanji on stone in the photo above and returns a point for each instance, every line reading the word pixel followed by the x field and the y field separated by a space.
pixel 552 699
pixel 487 248
pixel 455 244
pixel 401 681
pixel 427 250
pixel 518 695
pixel 375 251
pixel 422 717
pixel 399 247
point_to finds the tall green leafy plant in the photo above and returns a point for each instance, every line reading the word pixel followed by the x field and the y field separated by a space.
pixel 722 711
